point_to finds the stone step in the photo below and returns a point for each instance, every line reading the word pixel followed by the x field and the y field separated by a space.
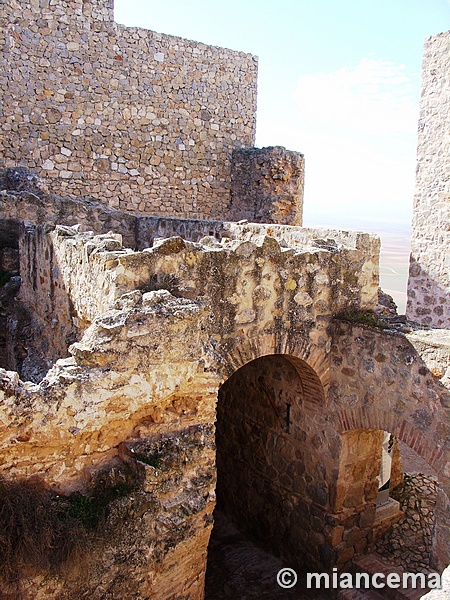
pixel 359 595
pixel 372 564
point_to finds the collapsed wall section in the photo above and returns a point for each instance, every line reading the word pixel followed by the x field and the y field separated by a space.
pixel 26 200
pixel 429 273
pixel 58 281
pixel 140 389
pixel 42 321
pixel 131 417
pixel 143 120
pixel 267 185
pixel 146 374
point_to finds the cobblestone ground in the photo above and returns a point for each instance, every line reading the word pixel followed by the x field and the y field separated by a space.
pixel 239 570
pixel 409 542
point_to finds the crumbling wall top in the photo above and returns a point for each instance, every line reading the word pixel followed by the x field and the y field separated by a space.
pixel 82 11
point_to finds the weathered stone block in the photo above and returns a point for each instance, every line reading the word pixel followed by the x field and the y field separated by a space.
pixel 267 185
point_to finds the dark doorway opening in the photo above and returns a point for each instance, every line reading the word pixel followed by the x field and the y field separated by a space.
pixel 262 519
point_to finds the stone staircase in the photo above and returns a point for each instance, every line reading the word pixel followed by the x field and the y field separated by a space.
pixel 372 564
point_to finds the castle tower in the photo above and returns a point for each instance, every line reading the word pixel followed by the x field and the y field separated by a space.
pixel 429 273
pixel 144 121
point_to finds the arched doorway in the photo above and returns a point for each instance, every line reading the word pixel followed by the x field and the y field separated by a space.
pixel 401 516
pixel 271 474
pixel 419 540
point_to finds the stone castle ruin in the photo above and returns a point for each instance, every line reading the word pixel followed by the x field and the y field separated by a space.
pixel 172 339
pixel 428 286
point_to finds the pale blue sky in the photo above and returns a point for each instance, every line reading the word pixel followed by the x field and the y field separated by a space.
pixel 338 81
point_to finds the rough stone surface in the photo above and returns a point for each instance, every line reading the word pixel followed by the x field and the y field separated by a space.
pixel 429 281
pixel 269 473
pixel 267 185
pixel 409 543
pixel 180 326
pixel 368 398
pixel 237 568
pixel 44 292
pixel 166 326
pixel 139 231
pixel 143 120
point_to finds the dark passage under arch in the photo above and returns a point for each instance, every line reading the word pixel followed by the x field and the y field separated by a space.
pixel 265 455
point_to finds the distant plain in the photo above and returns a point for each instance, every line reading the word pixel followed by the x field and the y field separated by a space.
pixel 394 263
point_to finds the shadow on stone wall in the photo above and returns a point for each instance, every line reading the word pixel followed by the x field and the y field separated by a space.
pixel 427 302
pixel 398 382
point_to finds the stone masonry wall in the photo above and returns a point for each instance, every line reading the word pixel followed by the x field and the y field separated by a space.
pixel 300 288
pixel 267 185
pixel 140 387
pixel 256 290
pixel 429 273
pixel 386 381
pixel 160 412
pixel 139 232
pixel 143 120
pixel 42 314
pixel 409 542
pixel 33 339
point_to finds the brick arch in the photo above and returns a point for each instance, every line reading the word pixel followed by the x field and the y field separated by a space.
pixel 376 418
pixel 313 388
pixel 310 362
